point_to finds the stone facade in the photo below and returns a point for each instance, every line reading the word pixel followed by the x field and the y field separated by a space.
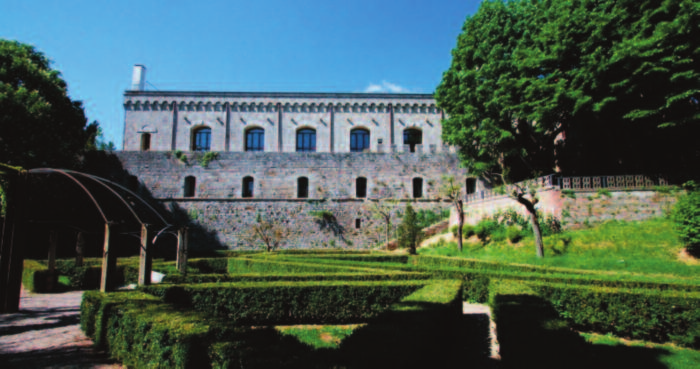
pixel 225 185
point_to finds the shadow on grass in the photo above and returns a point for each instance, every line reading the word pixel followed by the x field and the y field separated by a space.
pixel 532 334
pixel 412 336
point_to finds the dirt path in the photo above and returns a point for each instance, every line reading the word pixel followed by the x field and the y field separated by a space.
pixel 46 334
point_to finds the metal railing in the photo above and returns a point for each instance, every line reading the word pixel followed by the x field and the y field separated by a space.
pixel 586 183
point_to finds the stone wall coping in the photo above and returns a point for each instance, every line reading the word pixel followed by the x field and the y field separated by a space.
pixel 253 199
pixel 333 95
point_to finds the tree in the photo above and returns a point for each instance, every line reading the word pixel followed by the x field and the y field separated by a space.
pixel 451 189
pixel 592 86
pixel 382 208
pixel 409 231
pixel 268 231
pixel 40 126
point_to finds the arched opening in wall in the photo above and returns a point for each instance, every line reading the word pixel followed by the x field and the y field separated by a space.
pixel 302 187
pixel 306 140
pixel 361 187
pixel 417 188
pixel 359 140
pixel 412 137
pixel 248 184
pixel 201 139
pixel 255 139
pixel 145 141
pixel 190 185
pixel 471 185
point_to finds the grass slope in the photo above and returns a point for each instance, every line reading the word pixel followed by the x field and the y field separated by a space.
pixel 649 247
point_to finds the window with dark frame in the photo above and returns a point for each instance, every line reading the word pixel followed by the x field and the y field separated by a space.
pixel 302 187
pixel 412 137
pixel 190 185
pixel 471 185
pixel 202 139
pixel 306 140
pixel 358 223
pixel 417 188
pixel 361 187
pixel 359 140
pixel 248 185
pixel 145 141
pixel 255 139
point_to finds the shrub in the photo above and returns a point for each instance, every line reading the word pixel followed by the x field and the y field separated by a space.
pixel 453 230
pixel 409 231
pixel 514 234
pixel 485 228
pixel 686 217
pixel 467 230
pixel 273 303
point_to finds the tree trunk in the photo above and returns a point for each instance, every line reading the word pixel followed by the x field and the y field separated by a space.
pixel 530 206
pixel 536 231
pixel 460 221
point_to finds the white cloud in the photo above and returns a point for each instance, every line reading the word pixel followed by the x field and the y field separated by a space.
pixel 386 86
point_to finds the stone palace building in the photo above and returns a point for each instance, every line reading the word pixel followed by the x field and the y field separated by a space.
pixel 227 159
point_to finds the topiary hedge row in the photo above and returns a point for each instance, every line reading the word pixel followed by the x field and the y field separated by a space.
pixel 263 303
pixel 635 313
pixel 219 278
pixel 277 265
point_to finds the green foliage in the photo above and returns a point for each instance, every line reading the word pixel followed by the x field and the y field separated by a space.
pixel 486 229
pixel 40 125
pixel 625 68
pixel 207 158
pixel 686 219
pixel 410 232
pixel 514 234
pixel 324 336
pixel 181 156
pixel 639 314
pixel 426 218
pixel 262 303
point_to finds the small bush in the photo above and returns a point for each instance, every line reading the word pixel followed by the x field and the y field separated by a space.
pixel 467 230
pixel 485 229
pixel 686 218
pixel 453 230
pixel 514 234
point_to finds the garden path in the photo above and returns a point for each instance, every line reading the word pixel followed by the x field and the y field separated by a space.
pixel 46 333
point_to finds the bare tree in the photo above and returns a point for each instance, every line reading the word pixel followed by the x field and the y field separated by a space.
pixel 451 189
pixel 267 230
pixel 382 207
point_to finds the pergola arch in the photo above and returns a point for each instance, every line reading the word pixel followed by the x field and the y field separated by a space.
pixel 114 205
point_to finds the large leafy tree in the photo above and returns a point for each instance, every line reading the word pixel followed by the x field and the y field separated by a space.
pixel 40 126
pixel 587 87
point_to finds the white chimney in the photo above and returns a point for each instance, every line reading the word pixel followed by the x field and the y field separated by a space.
pixel 138 79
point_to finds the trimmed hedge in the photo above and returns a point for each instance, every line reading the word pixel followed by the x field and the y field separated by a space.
pixel 221 278
pixel 209 265
pixel 142 331
pixel 288 302
pixel 277 265
pixel 35 276
pixel 634 313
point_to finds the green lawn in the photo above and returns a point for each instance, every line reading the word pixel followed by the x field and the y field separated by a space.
pixel 649 247
pixel 671 356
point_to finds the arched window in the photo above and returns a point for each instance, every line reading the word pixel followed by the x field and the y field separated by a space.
pixel 145 141
pixel 359 140
pixel 412 137
pixel 248 184
pixel 306 140
pixel 471 185
pixel 361 187
pixel 202 139
pixel 255 139
pixel 417 188
pixel 302 187
pixel 190 185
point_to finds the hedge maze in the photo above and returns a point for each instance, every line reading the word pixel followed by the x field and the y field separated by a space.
pixel 223 313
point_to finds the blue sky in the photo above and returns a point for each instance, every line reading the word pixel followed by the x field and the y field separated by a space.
pixel 258 45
